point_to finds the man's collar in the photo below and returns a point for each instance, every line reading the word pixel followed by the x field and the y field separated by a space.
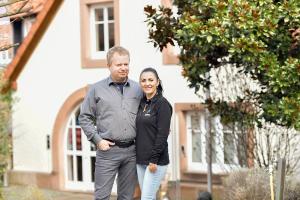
pixel 111 82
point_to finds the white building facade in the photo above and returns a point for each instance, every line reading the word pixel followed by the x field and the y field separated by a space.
pixel 48 145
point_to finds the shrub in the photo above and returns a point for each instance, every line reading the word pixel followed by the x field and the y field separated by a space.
pixel 1 195
pixel 5 117
pixel 292 190
pixel 248 184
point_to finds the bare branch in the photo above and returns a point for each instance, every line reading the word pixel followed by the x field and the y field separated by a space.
pixel 16 12
pixel 23 5
pixel 10 2
pixel 6 47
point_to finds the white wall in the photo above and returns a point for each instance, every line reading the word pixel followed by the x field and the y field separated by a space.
pixel 54 72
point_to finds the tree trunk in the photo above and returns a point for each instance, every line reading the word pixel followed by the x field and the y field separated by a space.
pixel 209 152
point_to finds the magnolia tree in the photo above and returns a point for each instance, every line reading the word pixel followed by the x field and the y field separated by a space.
pixel 259 38
pixel 242 57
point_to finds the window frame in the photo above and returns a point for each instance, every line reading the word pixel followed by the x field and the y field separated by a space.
pixel 196 175
pixel 87 59
pixel 94 53
pixel 27 23
pixel 219 165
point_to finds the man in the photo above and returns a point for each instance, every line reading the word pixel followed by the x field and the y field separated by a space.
pixel 107 117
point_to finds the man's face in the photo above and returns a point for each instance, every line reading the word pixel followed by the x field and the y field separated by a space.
pixel 119 67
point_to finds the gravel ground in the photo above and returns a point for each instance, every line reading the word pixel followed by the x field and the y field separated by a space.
pixel 34 193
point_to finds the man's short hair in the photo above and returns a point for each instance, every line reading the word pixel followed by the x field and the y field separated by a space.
pixel 116 49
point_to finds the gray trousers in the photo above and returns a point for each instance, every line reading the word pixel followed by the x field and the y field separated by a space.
pixel 121 161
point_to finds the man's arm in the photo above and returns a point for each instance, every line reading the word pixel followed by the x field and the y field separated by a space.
pixel 87 117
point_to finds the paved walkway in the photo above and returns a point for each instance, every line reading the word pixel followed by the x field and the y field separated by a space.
pixel 34 193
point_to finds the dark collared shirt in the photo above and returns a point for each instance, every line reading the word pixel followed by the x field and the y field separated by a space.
pixel 106 113
pixel 153 127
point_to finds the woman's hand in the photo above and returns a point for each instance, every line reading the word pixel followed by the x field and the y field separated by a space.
pixel 152 167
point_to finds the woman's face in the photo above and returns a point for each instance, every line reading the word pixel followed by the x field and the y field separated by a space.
pixel 149 83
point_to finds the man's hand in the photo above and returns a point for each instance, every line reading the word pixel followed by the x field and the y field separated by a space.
pixel 152 167
pixel 104 145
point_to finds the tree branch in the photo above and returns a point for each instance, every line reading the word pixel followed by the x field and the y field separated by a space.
pixel 6 47
pixel 23 5
pixel 16 12
pixel 10 2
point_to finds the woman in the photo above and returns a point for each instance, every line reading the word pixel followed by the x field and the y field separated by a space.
pixel 153 127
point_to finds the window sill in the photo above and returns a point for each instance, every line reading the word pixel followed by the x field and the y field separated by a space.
pixel 89 63
pixel 200 172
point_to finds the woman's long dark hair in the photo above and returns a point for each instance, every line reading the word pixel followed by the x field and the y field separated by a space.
pixel 150 69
